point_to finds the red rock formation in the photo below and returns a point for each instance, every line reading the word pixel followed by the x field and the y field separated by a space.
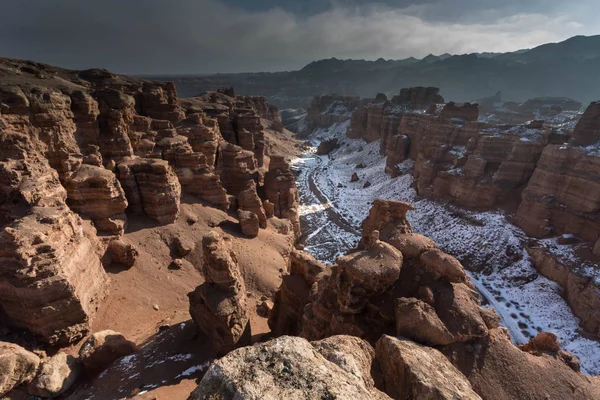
pixel 237 167
pixel 248 200
pixel 281 191
pixel 580 292
pixel 563 195
pixel 325 111
pixel 151 187
pixel 220 306
pixel 51 279
pixel 97 193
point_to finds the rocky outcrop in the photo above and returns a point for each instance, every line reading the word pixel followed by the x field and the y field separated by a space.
pixel 220 306
pixel 388 217
pixel 97 193
pixel 289 368
pixel 411 371
pixel 327 110
pixel 249 223
pixel 151 187
pixel 17 366
pixel 429 302
pixel 293 294
pixel 467 112
pixel 587 131
pixel 51 279
pixel 102 348
pixel 419 97
pixel 281 191
pixel 563 195
pixel 327 146
pixel 528 377
pixel 579 290
pixel 55 376
pixel 248 200
pixel 237 168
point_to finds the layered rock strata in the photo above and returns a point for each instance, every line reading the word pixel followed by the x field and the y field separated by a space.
pixel 220 306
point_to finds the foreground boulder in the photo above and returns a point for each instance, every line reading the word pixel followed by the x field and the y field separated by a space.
pixel 286 368
pixel 411 371
pixel 17 366
pixel 102 348
pixel 220 305
pixel 56 375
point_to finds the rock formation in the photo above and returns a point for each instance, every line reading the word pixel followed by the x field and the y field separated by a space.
pixel 17 365
pixel 281 191
pixel 292 368
pixel 248 200
pixel 427 301
pixel 326 110
pixel 220 306
pixel 51 279
pixel 411 371
pixel 151 187
pixel 249 223
pixel 97 193
pixel 293 295
pixel 102 348
pixel 55 376
pixel 327 146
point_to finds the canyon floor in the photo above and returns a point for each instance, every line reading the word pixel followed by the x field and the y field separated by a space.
pixel 332 209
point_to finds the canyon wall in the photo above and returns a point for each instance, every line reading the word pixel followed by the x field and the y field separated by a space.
pixel 544 173
pixel 80 151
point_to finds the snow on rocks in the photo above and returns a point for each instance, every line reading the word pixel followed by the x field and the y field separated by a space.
pixel 485 242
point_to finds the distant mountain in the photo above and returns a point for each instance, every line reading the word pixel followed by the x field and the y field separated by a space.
pixel 569 68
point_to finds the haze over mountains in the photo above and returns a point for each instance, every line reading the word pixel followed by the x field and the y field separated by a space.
pixel 569 68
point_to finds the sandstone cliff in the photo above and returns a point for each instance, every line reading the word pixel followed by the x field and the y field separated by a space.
pixel 103 146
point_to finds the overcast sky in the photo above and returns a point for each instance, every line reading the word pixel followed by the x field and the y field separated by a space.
pixel 205 36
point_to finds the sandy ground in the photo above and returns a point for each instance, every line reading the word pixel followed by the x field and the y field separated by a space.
pixel 148 303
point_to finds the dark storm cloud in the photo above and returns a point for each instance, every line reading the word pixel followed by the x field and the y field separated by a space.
pixel 197 36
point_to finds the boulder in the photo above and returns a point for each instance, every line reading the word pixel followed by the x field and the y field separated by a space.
pixel 412 371
pixel 102 348
pixel 443 265
pixel 249 223
pixel 283 368
pixel 418 321
pixel 120 252
pixel 352 354
pixel 412 245
pixel 56 375
pixel 354 177
pixel 17 366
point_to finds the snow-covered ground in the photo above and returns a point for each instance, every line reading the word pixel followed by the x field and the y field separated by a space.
pixel 486 241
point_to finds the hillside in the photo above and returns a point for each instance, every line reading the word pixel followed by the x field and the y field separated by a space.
pixel 567 68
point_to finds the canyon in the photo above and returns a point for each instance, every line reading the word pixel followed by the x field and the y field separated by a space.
pixel 163 247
